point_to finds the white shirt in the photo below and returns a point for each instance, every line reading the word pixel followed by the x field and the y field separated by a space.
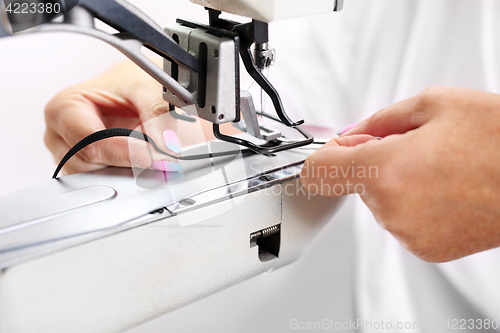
pixel 347 65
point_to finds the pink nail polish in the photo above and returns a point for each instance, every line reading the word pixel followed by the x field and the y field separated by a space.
pixel 348 127
pixel 172 141
pixel 166 166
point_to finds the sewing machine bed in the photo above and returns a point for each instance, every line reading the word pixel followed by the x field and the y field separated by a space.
pixel 108 250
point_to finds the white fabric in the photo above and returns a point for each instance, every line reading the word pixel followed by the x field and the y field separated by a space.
pixel 347 65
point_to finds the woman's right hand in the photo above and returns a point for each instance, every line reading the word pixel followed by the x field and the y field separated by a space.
pixel 125 97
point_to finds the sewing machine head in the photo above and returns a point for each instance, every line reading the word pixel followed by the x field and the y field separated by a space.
pixel 219 46
pixel 201 71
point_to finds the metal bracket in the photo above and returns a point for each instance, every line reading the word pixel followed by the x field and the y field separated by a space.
pixel 251 123
pixel 185 117
pixel 339 5
pixel 217 91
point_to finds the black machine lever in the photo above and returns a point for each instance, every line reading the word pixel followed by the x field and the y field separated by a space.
pixel 249 33
pixel 124 20
pixel 256 32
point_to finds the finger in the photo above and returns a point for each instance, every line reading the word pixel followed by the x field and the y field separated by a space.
pixel 79 120
pixel 58 147
pixel 156 119
pixel 348 141
pixel 162 128
pixel 398 118
pixel 136 153
pixel 144 95
pixel 73 116
pixel 340 170
pixel 354 140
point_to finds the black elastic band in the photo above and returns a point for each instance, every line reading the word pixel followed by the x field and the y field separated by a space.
pixel 114 132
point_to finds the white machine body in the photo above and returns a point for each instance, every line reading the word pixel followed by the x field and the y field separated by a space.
pixel 272 10
pixel 140 247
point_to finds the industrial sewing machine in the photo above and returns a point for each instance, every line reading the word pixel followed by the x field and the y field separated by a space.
pixel 110 249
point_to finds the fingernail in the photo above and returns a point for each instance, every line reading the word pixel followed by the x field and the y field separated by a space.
pixel 166 166
pixel 345 129
pixel 172 141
